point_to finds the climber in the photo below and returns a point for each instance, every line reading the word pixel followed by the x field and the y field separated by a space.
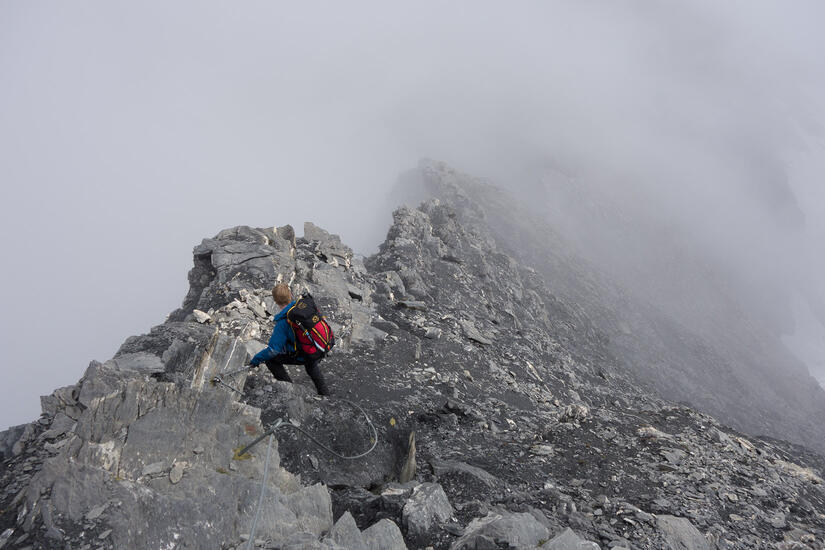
pixel 283 349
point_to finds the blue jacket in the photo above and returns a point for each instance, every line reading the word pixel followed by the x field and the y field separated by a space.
pixel 282 339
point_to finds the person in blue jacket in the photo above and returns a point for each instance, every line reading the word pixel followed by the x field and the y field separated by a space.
pixel 282 349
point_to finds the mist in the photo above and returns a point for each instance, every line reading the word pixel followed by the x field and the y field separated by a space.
pixel 129 132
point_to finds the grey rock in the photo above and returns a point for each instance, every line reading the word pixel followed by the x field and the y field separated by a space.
pixel 314 233
pixel 387 326
pixel 443 467
pixel 60 425
pixel 542 450
pixel 312 508
pixel 256 306
pixel 287 233
pixel 777 520
pixel 364 334
pixel 96 512
pixel 674 456
pixel 384 535
pixel 145 363
pixel 152 412
pixel 575 413
pixel 328 246
pixel 394 284
pixel 55 447
pixel 520 530
pixel 152 469
pixel 297 541
pixel 243 233
pixel 176 473
pixel 414 283
pixel 60 399
pixel 346 534
pixel 720 437
pixel 569 540
pixel 758 491
pixel 680 534
pixel 651 433
pixel 238 258
pixel 355 292
pixel 413 304
pixel 427 506
pixel 52 531
pixel 201 316
pixel 471 332
pixel 433 333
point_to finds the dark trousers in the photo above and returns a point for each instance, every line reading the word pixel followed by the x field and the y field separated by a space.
pixel 276 367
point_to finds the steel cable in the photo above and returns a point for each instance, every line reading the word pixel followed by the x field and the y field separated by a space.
pixel 251 542
pixel 280 424
pixel 361 455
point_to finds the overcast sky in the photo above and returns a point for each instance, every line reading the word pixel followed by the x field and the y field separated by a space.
pixel 129 131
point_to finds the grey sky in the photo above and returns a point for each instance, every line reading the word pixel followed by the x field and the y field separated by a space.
pixel 131 130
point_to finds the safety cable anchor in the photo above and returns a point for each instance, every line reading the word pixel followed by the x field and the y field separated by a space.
pixel 218 380
pixel 270 431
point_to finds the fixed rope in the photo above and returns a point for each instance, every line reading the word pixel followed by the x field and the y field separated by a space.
pixel 251 542
pixel 271 433
pixel 279 424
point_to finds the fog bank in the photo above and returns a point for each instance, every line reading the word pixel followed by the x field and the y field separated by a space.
pixel 128 132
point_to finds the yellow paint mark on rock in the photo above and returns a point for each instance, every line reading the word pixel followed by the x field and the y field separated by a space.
pixel 236 456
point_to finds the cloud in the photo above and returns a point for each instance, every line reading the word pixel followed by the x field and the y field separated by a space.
pixel 130 131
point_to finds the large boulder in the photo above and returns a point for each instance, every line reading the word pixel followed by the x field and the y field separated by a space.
pixel 345 533
pixel 519 530
pixel 680 534
pixel 384 535
pixel 427 506
pixel 569 540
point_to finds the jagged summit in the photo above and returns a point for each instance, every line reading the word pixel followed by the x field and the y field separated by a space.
pixel 529 430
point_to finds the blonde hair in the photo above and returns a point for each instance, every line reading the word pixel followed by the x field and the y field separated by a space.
pixel 281 294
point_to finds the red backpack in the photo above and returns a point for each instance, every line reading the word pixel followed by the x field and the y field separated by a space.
pixel 313 335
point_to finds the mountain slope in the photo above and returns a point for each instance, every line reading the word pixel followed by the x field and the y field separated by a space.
pixel 721 360
pixel 526 424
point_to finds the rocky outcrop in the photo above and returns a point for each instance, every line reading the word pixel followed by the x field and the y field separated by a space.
pixel 528 432
pixel 152 464
pixel 515 530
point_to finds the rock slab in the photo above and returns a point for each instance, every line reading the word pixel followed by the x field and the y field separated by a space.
pixel 518 530
pixel 680 534
pixel 428 505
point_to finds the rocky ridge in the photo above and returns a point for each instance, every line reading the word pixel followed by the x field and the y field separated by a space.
pixel 717 357
pixel 528 432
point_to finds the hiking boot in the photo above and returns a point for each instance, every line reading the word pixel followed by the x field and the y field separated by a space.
pixel 321 386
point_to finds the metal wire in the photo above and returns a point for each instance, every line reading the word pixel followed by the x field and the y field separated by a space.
pixel 251 541
pixel 327 449
pixel 271 432
pixel 218 380
pixel 280 424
